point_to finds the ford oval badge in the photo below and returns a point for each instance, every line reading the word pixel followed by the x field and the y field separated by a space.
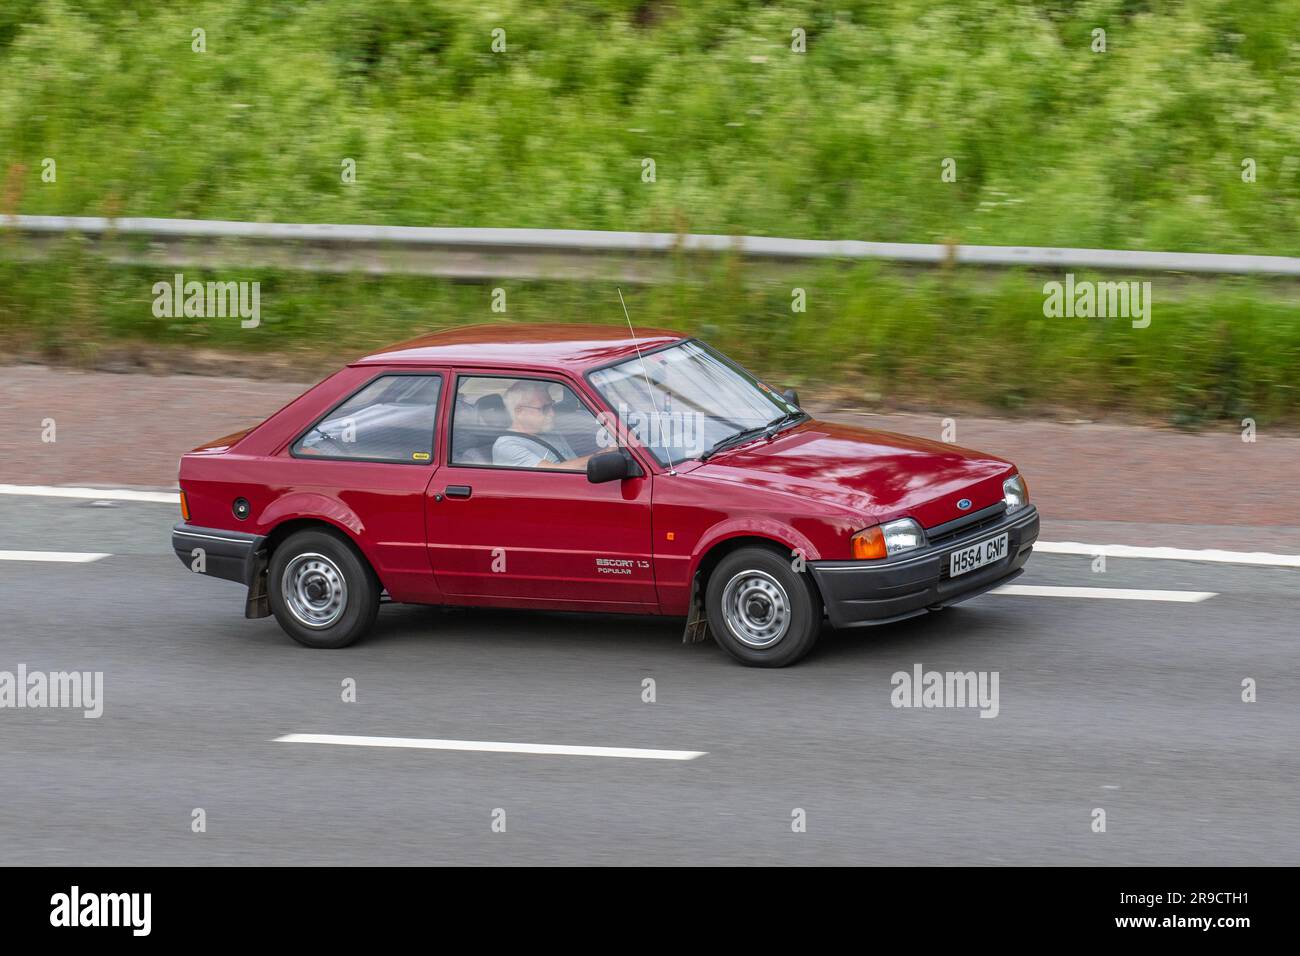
pixel 964 504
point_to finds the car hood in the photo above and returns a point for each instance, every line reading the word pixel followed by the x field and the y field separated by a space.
pixel 882 475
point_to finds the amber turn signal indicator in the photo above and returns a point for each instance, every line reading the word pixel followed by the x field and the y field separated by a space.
pixel 185 507
pixel 869 544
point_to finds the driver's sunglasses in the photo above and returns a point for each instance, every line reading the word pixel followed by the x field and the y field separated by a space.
pixel 544 409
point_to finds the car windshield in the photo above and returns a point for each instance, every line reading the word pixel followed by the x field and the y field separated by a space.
pixel 681 401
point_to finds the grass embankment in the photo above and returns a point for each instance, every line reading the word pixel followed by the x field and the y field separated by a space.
pixel 1054 144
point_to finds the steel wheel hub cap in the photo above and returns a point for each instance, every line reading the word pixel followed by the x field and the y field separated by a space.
pixel 314 590
pixel 756 608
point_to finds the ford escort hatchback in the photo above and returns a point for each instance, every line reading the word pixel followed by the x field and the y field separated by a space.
pixel 580 468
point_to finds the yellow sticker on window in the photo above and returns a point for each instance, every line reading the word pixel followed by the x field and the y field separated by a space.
pixel 420 455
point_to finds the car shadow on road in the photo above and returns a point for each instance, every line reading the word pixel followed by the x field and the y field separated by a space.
pixel 566 628
pixel 588 632
pixel 933 633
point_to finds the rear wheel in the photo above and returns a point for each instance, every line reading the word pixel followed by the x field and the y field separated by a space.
pixel 761 611
pixel 322 591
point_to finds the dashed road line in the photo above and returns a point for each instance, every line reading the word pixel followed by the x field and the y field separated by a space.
pixel 1112 594
pixel 93 494
pixel 1170 554
pixel 489 746
pixel 66 557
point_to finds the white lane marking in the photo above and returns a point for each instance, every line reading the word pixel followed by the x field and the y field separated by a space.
pixel 1046 547
pixel 93 494
pixel 1114 594
pixel 488 746
pixel 1169 554
pixel 69 557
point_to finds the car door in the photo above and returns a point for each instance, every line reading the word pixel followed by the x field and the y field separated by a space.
pixel 513 520
pixel 367 464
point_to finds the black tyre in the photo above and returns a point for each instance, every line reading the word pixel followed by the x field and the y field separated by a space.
pixel 761 611
pixel 323 592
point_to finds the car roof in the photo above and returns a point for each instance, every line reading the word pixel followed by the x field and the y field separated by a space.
pixel 573 347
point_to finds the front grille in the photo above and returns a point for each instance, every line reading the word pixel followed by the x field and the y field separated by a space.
pixel 966 525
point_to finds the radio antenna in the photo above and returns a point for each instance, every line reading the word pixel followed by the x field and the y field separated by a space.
pixel 649 388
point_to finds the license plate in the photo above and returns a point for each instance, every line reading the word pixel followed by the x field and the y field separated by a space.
pixel 977 555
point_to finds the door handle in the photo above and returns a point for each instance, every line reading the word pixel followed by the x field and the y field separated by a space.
pixel 458 491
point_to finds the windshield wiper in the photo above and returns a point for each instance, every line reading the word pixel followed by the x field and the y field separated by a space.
pixel 732 440
pixel 763 431
pixel 789 418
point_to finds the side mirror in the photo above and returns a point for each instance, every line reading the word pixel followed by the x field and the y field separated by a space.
pixel 611 466
pixel 791 396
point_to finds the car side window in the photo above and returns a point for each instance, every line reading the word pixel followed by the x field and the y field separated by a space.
pixel 391 419
pixel 523 423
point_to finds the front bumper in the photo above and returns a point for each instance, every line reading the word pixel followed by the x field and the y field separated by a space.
pixel 226 554
pixel 860 593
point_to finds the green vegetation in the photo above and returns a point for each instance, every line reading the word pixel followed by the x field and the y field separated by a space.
pixel 1225 349
pixel 1138 147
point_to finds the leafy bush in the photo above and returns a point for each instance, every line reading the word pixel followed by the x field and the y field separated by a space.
pixel 1138 147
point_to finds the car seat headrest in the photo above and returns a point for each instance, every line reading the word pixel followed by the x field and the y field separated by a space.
pixel 492 411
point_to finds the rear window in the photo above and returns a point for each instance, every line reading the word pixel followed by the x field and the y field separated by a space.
pixel 391 419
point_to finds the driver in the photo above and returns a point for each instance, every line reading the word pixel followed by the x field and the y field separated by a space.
pixel 532 413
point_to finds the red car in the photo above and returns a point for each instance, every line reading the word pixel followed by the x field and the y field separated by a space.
pixel 577 468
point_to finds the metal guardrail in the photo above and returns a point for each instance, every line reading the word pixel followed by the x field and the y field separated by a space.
pixel 553 253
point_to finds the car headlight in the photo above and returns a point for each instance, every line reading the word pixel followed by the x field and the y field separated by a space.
pixel 1015 492
pixel 886 540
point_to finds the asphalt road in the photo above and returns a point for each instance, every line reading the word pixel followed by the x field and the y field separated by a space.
pixel 1130 706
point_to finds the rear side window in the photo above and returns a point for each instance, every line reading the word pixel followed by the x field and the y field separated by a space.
pixel 391 419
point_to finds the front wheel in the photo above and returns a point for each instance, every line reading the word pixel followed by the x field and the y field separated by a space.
pixel 761 611
pixel 322 591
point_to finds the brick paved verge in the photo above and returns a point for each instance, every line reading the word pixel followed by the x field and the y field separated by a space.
pixel 1093 482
